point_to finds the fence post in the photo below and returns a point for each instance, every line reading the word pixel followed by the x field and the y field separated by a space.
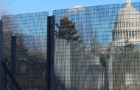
pixel 5 76
pixel 13 60
pixel 50 52
pixel 1 28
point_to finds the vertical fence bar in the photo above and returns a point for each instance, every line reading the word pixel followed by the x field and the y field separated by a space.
pixel 5 76
pixel 13 60
pixel 50 52
pixel 1 54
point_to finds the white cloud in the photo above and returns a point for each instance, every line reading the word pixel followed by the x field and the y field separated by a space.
pixel 75 10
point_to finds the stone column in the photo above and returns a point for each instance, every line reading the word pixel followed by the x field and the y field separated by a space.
pixel 118 34
pixel 115 35
pixel 128 34
pixel 124 35
pixel 137 34
pixel 121 34
pixel 131 34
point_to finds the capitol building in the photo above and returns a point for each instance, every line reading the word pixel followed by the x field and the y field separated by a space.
pixel 127 26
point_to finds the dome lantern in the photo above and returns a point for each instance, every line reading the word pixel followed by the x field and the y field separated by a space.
pixel 128 2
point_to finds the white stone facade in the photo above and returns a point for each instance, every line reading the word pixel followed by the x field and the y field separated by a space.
pixel 62 62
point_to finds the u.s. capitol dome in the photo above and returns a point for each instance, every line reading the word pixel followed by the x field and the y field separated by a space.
pixel 127 26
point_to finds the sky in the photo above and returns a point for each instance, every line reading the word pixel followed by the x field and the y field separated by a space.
pixel 31 6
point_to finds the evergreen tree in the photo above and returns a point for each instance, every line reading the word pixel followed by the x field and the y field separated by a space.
pixel 67 30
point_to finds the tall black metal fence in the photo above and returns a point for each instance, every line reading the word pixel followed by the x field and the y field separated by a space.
pixel 86 48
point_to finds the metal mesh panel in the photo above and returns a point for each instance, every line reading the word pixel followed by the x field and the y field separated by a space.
pixel 97 48
pixel 31 48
